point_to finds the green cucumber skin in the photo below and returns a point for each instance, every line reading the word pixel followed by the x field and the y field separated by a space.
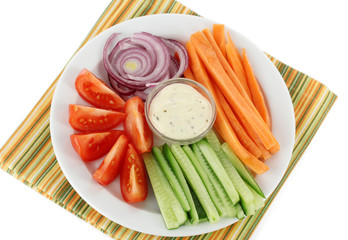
pixel 220 172
pixel 246 196
pixel 171 177
pixel 240 214
pixel 241 169
pixel 206 181
pixel 201 213
pixel 165 196
pixel 258 200
pixel 230 210
pixel 196 183
pixel 193 215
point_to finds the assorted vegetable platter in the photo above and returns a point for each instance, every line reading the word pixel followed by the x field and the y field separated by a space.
pixel 145 216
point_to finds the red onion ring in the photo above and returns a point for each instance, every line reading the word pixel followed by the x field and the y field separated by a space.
pixel 137 63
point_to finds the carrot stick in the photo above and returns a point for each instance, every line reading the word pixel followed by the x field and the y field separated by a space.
pixel 221 121
pixel 253 135
pixel 237 127
pixel 229 90
pixel 256 93
pixel 226 66
pixel 229 40
pixel 188 73
pixel 237 66
pixel 219 36
pixel 222 124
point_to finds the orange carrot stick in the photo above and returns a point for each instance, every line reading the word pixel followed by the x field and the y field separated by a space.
pixel 222 124
pixel 237 66
pixel 237 127
pixel 188 73
pixel 256 93
pixel 229 40
pixel 253 135
pixel 223 62
pixel 229 90
pixel 219 37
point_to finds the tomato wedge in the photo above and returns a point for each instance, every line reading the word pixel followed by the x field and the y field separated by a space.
pixel 91 146
pixel 96 92
pixel 112 163
pixel 133 177
pixel 87 119
pixel 136 127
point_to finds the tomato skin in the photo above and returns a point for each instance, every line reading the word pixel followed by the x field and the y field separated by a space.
pixel 94 145
pixel 133 177
pixel 135 125
pixel 112 163
pixel 96 92
pixel 87 119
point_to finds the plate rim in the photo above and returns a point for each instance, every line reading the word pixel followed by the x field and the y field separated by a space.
pixel 95 38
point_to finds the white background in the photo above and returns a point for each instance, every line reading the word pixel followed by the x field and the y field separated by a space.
pixel 38 37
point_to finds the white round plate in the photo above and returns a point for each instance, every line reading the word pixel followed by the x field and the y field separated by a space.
pixel 145 217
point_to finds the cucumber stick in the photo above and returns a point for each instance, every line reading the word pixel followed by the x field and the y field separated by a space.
pixel 170 207
pixel 172 179
pixel 193 215
pixel 230 211
pixel 246 196
pixel 240 214
pixel 258 200
pixel 201 213
pixel 241 169
pixel 219 170
pixel 205 179
pixel 196 183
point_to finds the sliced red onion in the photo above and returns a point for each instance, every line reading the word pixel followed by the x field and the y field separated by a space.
pixel 182 53
pixel 174 67
pixel 136 64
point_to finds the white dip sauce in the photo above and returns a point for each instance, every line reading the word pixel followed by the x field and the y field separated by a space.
pixel 179 111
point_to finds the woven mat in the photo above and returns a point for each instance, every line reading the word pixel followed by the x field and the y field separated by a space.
pixel 28 155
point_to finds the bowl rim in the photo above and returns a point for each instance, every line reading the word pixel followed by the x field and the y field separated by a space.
pixel 200 88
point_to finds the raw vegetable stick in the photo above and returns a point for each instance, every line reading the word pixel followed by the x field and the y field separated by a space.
pixel 255 90
pixel 188 74
pixel 233 96
pixel 237 127
pixel 253 135
pixel 229 40
pixel 231 74
pixel 223 62
pixel 219 36
pixel 222 124
pixel 237 66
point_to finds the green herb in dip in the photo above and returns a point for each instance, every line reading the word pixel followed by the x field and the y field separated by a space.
pixel 179 111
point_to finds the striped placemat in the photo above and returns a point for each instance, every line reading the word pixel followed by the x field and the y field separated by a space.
pixel 28 155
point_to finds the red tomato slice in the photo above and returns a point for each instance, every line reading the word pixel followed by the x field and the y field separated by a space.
pixel 136 127
pixel 88 119
pixel 91 146
pixel 96 92
pixel 111 165
pixel 133 177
